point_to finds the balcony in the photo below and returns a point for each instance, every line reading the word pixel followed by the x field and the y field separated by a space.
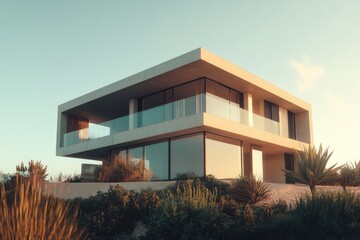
pixel 178 109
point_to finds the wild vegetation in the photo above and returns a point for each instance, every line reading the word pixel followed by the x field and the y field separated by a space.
pixel 248 189
pixel 192 208
pixel 123 170
pixel 311 168
pixel 25 213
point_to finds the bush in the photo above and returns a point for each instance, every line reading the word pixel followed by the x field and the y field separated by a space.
pixel 248 189
pixel 222 188
pixel 187 210
pixel 123 170
pixel 116 212
pixel 334 214
pixel 26 214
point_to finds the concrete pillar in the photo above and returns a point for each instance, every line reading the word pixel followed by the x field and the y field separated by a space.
pixel 133 108
pixel 248 104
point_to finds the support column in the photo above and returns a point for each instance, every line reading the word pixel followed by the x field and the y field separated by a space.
pixel 133 108
pixel 248 104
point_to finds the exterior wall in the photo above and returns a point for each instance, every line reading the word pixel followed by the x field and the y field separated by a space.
pixel 85 190
pixel 273 165
pixel 284 125
pixel 303 126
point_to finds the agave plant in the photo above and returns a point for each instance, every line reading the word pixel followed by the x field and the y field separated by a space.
pixel 311 167
pixel 248 189
pixel 349 175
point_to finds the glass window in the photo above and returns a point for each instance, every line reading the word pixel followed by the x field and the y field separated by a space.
pixel 118 153
pixel 157 160
pixel 187 98
pixel 289 165
pixel 271 111
pixel 291 125
pixel 217 99
pixel 136 154
pixel 235 105
pixel 152 109
pixel 223 156
pixel 187 156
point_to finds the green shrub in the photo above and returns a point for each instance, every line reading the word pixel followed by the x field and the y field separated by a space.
pixel 213 184
pixel 187 210
pixel 248 189
pixel 333 214
pixel 117 211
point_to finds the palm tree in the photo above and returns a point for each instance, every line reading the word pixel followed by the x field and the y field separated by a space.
pixel 311 167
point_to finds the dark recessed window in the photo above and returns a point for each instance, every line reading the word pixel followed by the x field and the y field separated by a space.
pixel 291 125
pixel 271 111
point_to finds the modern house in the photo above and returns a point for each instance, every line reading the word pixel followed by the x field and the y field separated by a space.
pixel 195 113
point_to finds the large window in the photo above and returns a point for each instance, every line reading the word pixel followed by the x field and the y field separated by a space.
pixel 289 165
pixel 157 160
pixel 271 111
pixel 136 154
pixel 223 156
pixel 180 101
pixel 152 112
pixel 223 101
pixel 187 155
pixel 188 98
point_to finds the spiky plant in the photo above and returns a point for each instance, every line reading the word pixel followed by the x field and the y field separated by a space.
pixel 33 168
pixel 248 189
pixel 311 167
pixel 349 175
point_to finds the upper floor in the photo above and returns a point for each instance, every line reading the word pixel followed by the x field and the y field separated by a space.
pixel 193 92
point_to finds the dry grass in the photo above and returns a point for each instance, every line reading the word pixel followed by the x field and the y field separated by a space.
pixel 26 214
pixel 123 170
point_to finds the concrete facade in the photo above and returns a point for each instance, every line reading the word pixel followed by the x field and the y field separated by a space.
pixel 248 123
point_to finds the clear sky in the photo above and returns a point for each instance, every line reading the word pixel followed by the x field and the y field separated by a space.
pixel 54 51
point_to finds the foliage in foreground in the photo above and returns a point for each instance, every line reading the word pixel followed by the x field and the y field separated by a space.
pixel 190 210
pixel 248 189
pixel 26 214
pixel 116 212
pixel 123 170
pixel 311 168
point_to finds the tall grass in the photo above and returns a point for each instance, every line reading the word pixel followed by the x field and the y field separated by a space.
pixel 26 214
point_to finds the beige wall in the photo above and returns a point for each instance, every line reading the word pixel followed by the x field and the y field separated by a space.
pixel 284 125
pixel 273 165
pixel 303 127
pixel 85 190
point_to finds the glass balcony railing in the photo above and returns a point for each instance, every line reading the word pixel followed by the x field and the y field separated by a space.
pixel 185 107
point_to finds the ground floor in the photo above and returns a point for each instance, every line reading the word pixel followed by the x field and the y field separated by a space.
pixel 205 153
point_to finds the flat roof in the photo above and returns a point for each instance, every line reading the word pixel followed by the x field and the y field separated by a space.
pixel 189 66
